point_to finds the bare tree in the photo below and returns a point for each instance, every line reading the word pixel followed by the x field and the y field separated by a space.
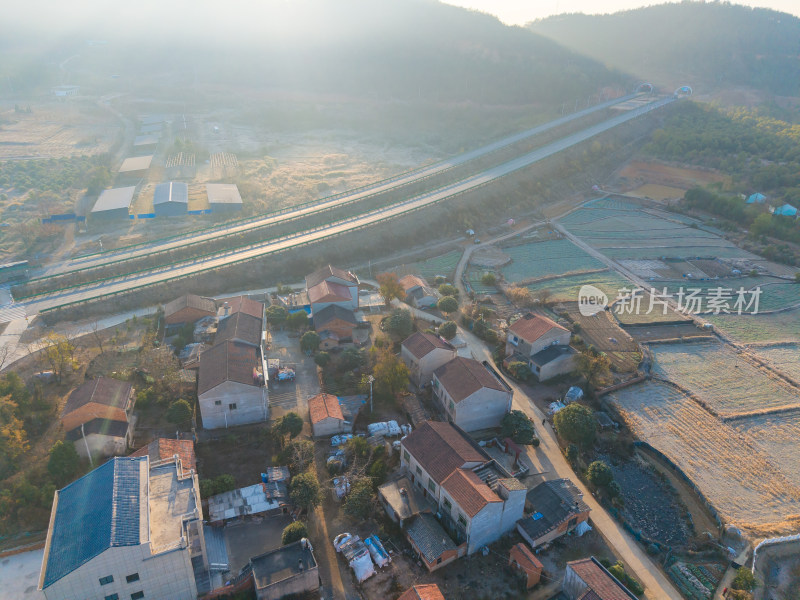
pixel 98 339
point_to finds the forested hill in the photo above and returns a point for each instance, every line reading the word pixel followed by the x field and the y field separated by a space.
pixel 709 46
pixel 406 50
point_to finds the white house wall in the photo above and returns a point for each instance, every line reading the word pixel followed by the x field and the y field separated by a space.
pixel 483 409
pixel 251 405
pixel 167 575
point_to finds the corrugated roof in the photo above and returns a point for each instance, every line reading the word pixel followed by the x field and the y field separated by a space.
pixel 441 448
pixel 250 500
pixel 329 313
pixel 103 390
pixel 239 326
pixel 190 301
pixel 409 282
pixel 549 354
pixel 468 491
pixel 599 580
pixel 136 163
pixel 323 406
pixel 531 327
pixel 553 503
pixel 223 193
pixel 172 192
pixel 329 291
pixel 254 308
pixel 462 377
pixel 226 361
pixel 98 511
pixel 421 344
pixel 429 536
pixel 98 426
pixel 329 271
pixel 114 199
pixel 425 591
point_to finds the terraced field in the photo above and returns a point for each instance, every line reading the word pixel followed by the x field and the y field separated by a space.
pixel 775 294
pixel 777 435
pixel 783 357
pixel 552 257
pixel 565 289
pixel 746 329
pixel 473 276
pixel 748 484
pixel 725 381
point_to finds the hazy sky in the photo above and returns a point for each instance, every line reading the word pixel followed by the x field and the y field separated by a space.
pixel 519 12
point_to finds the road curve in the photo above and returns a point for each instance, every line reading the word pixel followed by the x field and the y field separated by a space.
pixel 130 282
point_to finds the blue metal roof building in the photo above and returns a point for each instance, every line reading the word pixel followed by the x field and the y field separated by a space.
pixel 757 198
pixel 787 210
pixel 98 511
pixel 171 199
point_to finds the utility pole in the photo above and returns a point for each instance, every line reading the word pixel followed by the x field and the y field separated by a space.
pixel 371 379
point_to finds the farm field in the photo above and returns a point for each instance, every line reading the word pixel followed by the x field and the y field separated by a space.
pixel 658 192
pixel 777 434
pixel 540 259
pixel 473 277
pixel 444 265
pixel 775 294
pixel 745 482
pixel 628 314
pixel 649 333
pixel 783 357
pixel 746 329
pixel 605 334
pixel 565 289
pixel 653 172
pixel 636 233
pixel 728 383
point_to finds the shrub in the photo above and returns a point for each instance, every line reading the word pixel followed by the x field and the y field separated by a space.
pixel 519 370
pixel 377 471
pixel 629 582
pixel 599 474
pixel 179 413
pixel 293 532
pixel 359 501
pixel 572 453
pixel 576 424
pixel 488 279
pixel 64 462
pixel 310 341
pixel 447 289
pixel 518 427
pixel 305 490
pixel 448 305
pixel 614 489
pixel 400 323
pixel 322 359
pixel 744 580
pixel 448 330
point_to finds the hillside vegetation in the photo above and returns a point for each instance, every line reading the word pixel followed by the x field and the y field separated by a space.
pixel 706 45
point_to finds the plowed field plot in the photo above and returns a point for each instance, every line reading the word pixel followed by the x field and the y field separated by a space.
pixel 727 382
pixel 639 234
pixel 743 481
pixel 649 333
pixel 605 334
pixel 649 269
pixel 565 289
pixel 444 265
pixel 783 357
pixel 669 175
pixel 777 434
pixel 745 329
pixel 650 505
pixel 474 275
pixel 658 192
pixel 540 259
pixel 648 310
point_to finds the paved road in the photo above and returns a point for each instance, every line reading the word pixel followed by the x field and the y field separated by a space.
pixel 191 238
pixel 549 460
pixel 185 269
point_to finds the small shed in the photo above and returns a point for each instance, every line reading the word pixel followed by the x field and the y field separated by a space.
pixel 171 199
pixel 787 210
pixel 113 204
pixel 261 498
pixel 223 197
pixel 573 394
pixel 135 166
pixel 326 416
pixel 521 558
pixel 757 198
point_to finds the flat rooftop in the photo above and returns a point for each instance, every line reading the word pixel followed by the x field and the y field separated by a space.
pixel 171 498
pixel 223 193
pixel 406 504
pixel 283 563
pixel 114 198
pixel 136 163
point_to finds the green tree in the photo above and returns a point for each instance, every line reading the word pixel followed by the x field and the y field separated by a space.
pixel 517 426
pixel 377 471
pixel 63 463
pixel 575 423
pixel 448 289
pixel 351 358
pixel 276 315
pixel 797 277
pixel 489 279
pixel 448 305
pixel 322 359
pixel 744 580
pixel 761 226
pixel 572 453
pixel 519 369
pixel 179 413
pixel 390 287
pixel 297 320
pixel 400 323
pixel 618 571
pixel 448 330
pixel 599 474
pixel 305 491
pixel 595 368
pixel 290 424
pixel 358 503
pixel 310 341
pixel 391 374
pixel 59 352
pixel 294 532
